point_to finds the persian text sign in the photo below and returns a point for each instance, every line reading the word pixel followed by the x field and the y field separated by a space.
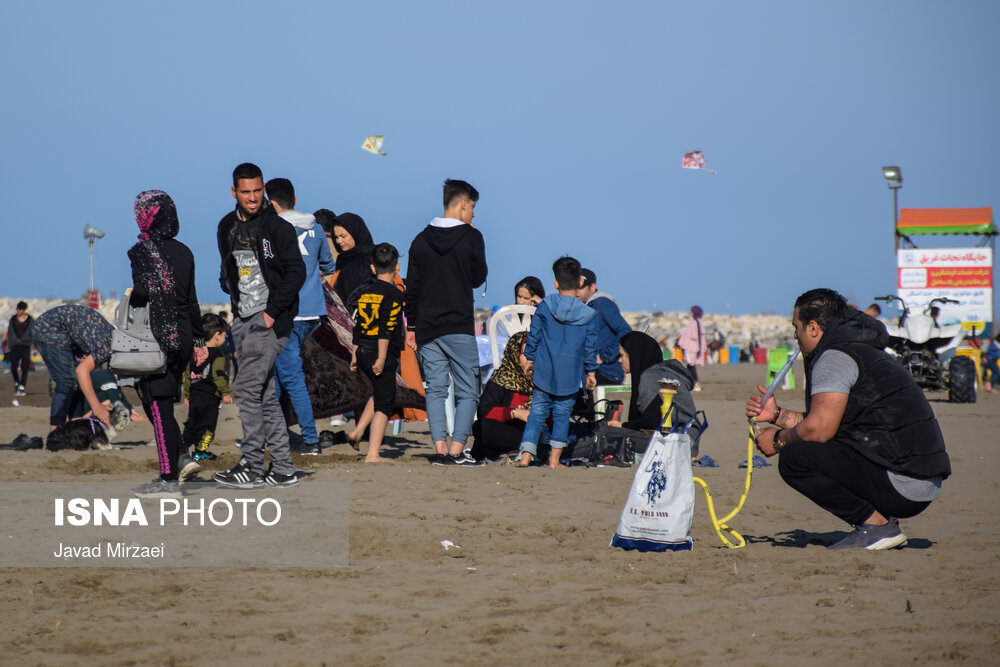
pixel 962 274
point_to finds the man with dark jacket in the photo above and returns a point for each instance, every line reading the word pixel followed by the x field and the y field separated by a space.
pixel 868 447
pixel 611 326
pixel 262 271
pixel 447 260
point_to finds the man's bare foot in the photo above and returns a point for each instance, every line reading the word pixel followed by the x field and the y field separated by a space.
pixel 377 459
pixel 557 465
pixel 525 460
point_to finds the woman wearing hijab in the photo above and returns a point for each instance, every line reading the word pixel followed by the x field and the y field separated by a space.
pixel 163 282
pixel 692 342
pixel 504 405
pixel 355 246
pixel 528 291
pixel 642 358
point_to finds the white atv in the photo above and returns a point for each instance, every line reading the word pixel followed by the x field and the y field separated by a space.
pixel 917 341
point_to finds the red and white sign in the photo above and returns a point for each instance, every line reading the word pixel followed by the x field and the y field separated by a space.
pixel 963 274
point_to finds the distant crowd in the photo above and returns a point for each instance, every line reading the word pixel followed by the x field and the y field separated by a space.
pixel 409 344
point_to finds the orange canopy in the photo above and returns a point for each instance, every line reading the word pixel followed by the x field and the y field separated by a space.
pixel 945 221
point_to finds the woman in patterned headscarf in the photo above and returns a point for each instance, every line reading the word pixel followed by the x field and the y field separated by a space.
pixel 504 405
pixel 163 281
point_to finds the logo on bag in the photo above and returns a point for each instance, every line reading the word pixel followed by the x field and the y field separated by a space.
pixel 657 482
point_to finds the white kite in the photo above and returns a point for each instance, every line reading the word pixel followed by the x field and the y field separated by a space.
pixel 373 144
pixel 695 160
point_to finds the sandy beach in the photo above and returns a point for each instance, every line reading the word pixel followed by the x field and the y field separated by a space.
pixel 534 580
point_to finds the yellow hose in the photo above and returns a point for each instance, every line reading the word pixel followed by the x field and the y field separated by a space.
pixel 667 393
pixel 722 529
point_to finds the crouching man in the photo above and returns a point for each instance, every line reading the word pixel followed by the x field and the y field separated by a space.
pixel 868 447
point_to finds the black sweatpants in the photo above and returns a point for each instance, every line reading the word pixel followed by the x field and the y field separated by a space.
pixel 158 394
pixel 203 417
pixel 839 479
pixel 493 438
pixel 19 357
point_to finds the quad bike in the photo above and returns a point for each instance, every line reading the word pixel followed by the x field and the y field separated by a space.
pixel 918 340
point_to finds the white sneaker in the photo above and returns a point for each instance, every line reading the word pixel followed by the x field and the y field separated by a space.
pixel 337 420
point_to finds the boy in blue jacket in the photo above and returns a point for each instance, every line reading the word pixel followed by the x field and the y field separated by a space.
pixel 562 341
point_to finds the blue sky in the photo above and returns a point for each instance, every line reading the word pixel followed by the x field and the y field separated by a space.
pixel 570 118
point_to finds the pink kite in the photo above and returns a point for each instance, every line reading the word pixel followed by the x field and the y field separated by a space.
pixel 695 160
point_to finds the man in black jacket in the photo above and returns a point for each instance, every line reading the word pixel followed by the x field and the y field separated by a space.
pixel 447 260
pixel 868 447
pixel 262 270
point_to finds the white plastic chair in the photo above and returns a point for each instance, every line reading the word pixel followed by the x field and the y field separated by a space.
pixel 510 316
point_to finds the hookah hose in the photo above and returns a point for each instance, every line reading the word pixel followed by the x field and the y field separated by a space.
pixel 730 538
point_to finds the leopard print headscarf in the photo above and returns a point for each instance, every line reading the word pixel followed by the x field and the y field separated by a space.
pixel 510 375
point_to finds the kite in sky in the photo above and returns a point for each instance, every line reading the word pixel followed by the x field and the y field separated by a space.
pixel 373 144
pixel 695 160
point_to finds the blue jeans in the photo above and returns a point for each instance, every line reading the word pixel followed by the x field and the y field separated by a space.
pixel 453 357
pixel 62 369
pixel 542 403
pixel 289 376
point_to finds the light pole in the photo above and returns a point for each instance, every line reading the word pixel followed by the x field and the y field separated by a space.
pixel 894 178
pixel 90 233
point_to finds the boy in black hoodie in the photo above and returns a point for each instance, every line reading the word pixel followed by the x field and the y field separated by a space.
pixel 447 260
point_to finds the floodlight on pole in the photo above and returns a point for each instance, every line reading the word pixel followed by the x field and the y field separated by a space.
pixel 90 233
pixel 894 179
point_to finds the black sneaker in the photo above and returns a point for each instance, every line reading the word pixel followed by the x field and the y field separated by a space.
pixel 188 468
pixel 277 480
pixel 442 460
pixel 611 461
pixel 159 488
pixel 204 456
pixel 307 449
pixel 466 460
pixel 240 476
pixel 874 538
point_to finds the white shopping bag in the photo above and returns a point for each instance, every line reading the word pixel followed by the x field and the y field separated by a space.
pixel 657 515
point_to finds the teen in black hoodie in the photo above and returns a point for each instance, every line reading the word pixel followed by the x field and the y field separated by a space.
pixel 446 262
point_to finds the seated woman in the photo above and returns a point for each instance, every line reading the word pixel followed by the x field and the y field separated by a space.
pixel 504 405
pixel 642 358
pixel 527 292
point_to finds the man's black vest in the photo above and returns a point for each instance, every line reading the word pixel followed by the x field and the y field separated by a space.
pixel 888 419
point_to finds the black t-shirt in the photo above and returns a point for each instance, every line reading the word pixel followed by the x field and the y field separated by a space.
pixel 380 315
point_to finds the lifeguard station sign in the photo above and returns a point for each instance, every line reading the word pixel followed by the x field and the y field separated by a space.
pixel 963 274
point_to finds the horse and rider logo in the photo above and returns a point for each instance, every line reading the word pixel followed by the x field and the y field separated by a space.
pixel 657 481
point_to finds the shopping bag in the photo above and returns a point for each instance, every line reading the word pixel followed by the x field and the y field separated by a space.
pixel 660 505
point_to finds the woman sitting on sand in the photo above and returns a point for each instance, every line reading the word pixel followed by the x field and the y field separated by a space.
pixel 504 405
pixel 642 358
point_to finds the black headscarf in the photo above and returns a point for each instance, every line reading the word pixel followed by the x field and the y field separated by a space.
pixel 156 216
pixel 643 353
pixel 354 264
